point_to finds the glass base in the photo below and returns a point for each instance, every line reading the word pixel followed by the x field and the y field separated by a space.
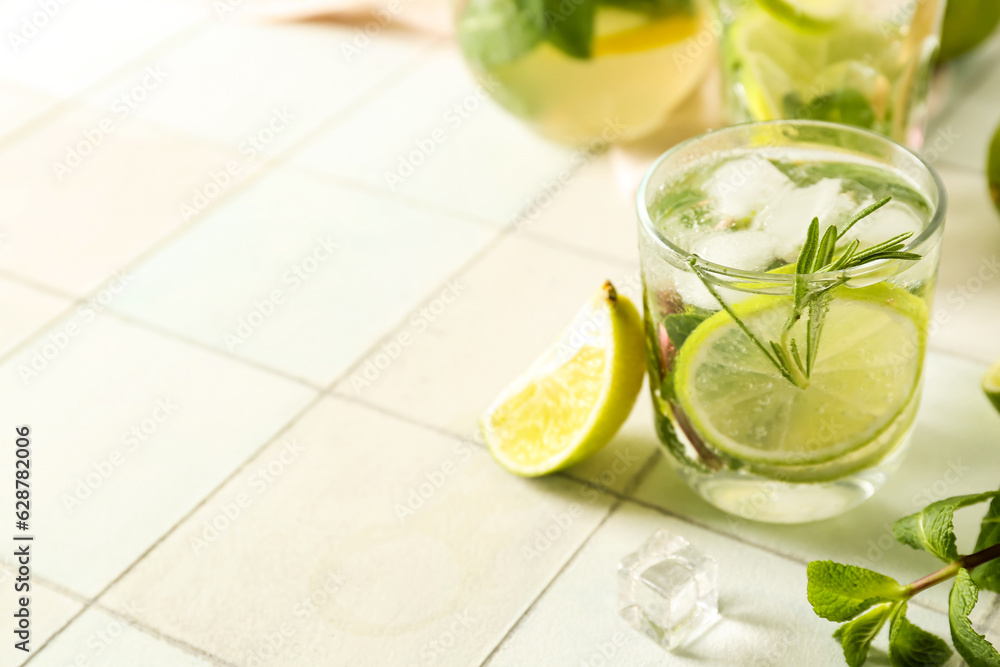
pixel 757 498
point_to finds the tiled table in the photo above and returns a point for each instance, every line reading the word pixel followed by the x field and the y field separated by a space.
pixel 253 364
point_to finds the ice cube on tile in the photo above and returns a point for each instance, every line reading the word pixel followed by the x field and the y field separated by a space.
pixel 788 217
pixel 667 590
pixel 891 220
pixel 741 187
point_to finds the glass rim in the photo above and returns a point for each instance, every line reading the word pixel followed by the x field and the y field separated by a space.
pixel 928 233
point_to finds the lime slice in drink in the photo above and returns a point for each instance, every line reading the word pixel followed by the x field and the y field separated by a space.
pixel 572 401
pixel 631 38
pixel 807 14
pixel 991 385
pixel 864 379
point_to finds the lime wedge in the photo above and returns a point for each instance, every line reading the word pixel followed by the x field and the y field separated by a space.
pixel 864 380
pixel 572 401
pixel 991 385
pixel 807 14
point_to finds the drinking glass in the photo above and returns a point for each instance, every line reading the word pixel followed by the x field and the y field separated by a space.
pixel 861 62
pixel 783 395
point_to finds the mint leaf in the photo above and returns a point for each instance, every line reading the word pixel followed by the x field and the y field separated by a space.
pixel 856 637
pixel 840 106
pixel 987 575
pixel 492 32
pixel 571 25
pixel 910 646
pixel 840 592
pixel 932 529
pixel 970 644
pixel 680 325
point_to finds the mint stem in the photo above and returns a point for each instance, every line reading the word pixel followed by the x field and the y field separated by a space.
pixel 969 562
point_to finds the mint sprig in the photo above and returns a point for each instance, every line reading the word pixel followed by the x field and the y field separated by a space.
pixel 793 359
pixel 865 600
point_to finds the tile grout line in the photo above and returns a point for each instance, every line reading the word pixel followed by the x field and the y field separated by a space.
pixel 636 479
pixel 160 636
pixel 208 347
pixel 620 495
pixel 177 232
pixel 611 510
pixel 183 519
pixel 36 285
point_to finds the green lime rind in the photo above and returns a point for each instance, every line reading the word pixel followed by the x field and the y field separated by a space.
pixel 804 15
pixel 991 385
pixel 993 168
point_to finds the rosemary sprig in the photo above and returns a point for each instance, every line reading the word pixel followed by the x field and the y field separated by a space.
pixel 819 254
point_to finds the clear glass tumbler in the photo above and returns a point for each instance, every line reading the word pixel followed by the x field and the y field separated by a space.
pixel 786 355
pixel 861 62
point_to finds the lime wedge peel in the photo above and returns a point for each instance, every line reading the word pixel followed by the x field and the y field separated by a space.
pixel 991 385
pixel 573 399
pixel 867 371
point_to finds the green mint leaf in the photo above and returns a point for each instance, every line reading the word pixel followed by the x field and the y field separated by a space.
pixel 840 592
pixel 846 105
pixel 970 644
pixel 987 575
pixel 492 32
pixel 911 646
pixel 571 25
pixel 680 325
pixel 856 637
pixel 932 528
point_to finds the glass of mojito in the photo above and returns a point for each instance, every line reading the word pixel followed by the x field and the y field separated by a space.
pixel 862 62
pixel 580 70
pixel 788 269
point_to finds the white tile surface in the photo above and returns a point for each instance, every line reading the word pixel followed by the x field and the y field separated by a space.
pixel 954 434
pixel 446 584
pixel 98 639
pixel 49 611
pixel 440 141
pixel 966 315
pixel 73 45
pixel 131 430
pixel 762 599
pixel 592 213
pixel 259 88
pixel 115 194
pixel 966 125
pixel 442 585
pixel 24 309
pixel 511 306
pixel 459 356
pixel 19 105
pixel 299 274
